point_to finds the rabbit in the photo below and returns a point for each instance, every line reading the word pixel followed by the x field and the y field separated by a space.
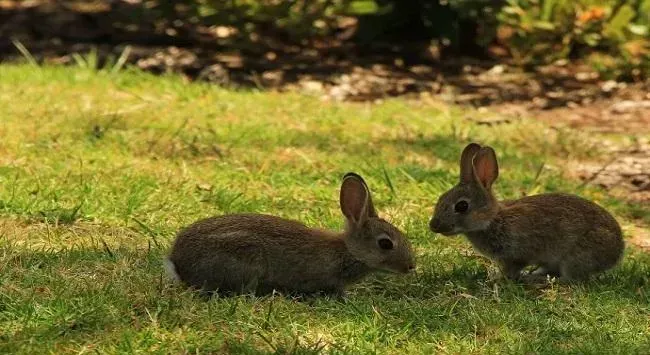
pixel 562 235
pixel 244 253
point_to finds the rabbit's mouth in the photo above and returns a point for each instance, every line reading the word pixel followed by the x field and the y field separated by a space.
pixel 400 270
pixel 447 230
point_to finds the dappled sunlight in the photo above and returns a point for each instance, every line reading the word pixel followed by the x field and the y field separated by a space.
pixel 34 234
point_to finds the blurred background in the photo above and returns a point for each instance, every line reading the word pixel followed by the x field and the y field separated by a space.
pixel 395 46
pixel 582 63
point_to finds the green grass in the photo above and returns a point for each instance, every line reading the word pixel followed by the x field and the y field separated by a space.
pixel 98 171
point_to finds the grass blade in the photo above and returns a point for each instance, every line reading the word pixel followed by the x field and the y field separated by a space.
pixel 25 52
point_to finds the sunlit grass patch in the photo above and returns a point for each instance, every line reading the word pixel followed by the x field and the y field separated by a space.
pixel 98 171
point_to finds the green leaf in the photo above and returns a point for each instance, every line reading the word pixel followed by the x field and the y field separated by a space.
pixel 639 30
pixel 544 25
pixel 547 11
pixel 592 39
pixel 644 12
pixel 512 10
pixel 614 29
pixel 363 7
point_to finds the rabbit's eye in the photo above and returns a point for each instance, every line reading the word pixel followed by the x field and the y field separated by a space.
pixel 385 243
pixel 461 207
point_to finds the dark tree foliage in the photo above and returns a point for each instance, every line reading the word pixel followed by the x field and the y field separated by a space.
pixel 457 25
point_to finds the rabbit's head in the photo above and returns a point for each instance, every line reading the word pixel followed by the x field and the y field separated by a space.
pixel 369 238
pixel 470 205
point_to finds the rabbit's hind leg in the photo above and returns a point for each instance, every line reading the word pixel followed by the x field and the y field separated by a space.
pixel 542 274
pixel 244 277
pixel 593 254
pixel 226 275
pixel 511 268
pixel 578 268
pixel 547 269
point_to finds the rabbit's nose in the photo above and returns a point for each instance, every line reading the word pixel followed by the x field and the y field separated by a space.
pixel 434 224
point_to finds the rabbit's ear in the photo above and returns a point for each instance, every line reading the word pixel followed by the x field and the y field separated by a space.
pixel 486 168
pixel 466 168
pixel 356 203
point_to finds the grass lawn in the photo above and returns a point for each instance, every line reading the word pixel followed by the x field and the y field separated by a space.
pixel 99 170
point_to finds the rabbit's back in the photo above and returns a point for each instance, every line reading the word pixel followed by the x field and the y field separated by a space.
pixel 251 252
pixel 560 212
pixel 549 227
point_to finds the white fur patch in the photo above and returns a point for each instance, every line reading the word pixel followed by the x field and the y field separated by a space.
pixel 170 269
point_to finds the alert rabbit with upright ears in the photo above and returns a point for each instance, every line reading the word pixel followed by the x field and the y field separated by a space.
pixel 257 253
pixel 562 235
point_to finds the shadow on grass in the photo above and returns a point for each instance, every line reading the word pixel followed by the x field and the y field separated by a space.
pixel 469 277
pixel 80 291
pixel 434 279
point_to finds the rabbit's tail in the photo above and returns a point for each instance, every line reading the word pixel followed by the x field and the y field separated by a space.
pixel 170 269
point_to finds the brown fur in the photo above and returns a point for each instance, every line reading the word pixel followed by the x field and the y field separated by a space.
pixel 564 235
pixel 261 253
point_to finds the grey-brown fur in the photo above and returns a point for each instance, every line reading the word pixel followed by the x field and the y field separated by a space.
pixel 261 253
pixel 563 235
